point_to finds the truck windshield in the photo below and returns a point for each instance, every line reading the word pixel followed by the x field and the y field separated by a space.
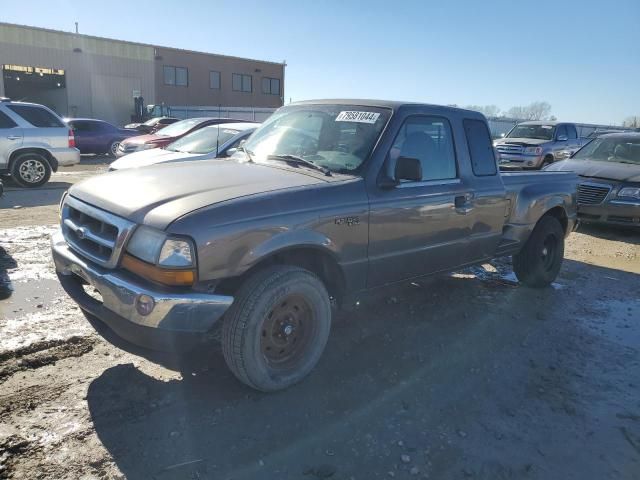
pixel 538 132
pixel 203 140
pixel 624 149
pixel 336 137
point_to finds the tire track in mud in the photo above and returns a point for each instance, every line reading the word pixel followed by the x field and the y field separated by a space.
pixel 41 354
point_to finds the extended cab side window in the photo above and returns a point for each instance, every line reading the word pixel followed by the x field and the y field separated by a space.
pixel 483 160
pixel 36 116
pixel 429 140
pixel 562 131
pixel 571 132
pixel 6 122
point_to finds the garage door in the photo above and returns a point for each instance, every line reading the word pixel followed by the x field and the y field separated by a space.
pixel 112 97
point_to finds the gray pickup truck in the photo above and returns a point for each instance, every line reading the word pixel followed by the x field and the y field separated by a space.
pixel 326 200
pixel 534 145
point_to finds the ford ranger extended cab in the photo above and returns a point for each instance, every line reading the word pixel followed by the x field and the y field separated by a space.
pixel 326 200
pixel 534 145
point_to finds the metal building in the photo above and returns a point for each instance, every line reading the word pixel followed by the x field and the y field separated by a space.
pixel 84 76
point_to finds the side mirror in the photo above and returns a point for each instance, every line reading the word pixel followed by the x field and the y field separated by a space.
pixel 408 168
pixel 229 152
pixel 562 138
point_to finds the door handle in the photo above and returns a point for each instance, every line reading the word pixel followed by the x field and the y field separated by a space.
pixel 463 203
pixel 13 137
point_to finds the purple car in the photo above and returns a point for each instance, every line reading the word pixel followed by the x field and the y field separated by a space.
pixel 97 136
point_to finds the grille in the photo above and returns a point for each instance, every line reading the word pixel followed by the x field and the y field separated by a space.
pixel 592 194
pixel 510 148
pixel 93 233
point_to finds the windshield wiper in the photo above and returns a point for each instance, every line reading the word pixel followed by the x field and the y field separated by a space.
pixel 300 161
pixel 247 153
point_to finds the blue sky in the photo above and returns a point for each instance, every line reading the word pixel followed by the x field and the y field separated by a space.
pixel 583 57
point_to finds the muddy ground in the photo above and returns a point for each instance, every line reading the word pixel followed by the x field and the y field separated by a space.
pixel 462 376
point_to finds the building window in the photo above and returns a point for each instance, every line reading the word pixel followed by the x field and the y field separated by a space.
pixel 176 76
pixel 214 80
pixel 241 83
pixel 270 86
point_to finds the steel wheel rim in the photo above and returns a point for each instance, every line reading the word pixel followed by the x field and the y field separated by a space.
pixel 32 171
pixel 548 252
pixel 114 147
pixel 286 332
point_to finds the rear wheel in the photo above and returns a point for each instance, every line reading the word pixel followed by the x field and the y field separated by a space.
pixel 113 148
pixel 30 170
pixel 539 261
pixel 277 327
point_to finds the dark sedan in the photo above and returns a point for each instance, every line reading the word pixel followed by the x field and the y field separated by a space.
pixel 97 136
pixel 609 170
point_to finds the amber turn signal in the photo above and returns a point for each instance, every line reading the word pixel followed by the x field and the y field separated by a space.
pixel 165 276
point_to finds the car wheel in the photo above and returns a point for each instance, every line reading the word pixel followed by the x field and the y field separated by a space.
pixel 30 170
pixel 548 160
pixel 277 327
pixel 538 263
pixel 113 148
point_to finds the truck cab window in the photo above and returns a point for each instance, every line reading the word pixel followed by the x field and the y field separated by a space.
pixel 483 161
pixel 429 140
pixel 561 131
pixel 571 132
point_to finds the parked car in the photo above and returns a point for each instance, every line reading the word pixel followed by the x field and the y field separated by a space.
pixel 327 199
pixel 152 125
pixel 609 173
pixel 97 136
pixel 168 134
pixel 208 142
pixel 34 142
pixel 533 145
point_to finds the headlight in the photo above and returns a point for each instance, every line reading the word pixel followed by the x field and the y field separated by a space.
pixel 146 243
pixel 175 253
pixel 632 192
pixel 533 150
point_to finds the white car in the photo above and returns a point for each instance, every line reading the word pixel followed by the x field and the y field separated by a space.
pixel 213 141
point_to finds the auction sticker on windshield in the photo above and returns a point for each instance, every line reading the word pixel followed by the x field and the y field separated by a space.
pixel 359 117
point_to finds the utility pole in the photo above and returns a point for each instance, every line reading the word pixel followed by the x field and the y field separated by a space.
pixel 76 27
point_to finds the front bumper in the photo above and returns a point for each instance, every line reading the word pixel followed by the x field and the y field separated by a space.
pixel 176 323
pixel 518 162
pixel 612 212
pixel 66 156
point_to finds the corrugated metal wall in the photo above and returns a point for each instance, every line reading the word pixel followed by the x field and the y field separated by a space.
pixel 101 74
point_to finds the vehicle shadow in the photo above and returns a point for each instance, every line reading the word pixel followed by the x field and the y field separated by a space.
pixel 49 194
pixel 407 351
pixel 607 232
pixel 6 262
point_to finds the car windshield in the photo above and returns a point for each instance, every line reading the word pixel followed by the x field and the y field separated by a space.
pixel 538 132
pixel 179 128
pixel 611 149
pixel 203 140
pixel 334 137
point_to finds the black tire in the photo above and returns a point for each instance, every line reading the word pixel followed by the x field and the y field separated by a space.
pixel 277 327
pixel 538 263
pixel 113 148
pixel 30 170
pixel 548 160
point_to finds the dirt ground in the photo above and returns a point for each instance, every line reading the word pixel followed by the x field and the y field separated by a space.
pixel 463 376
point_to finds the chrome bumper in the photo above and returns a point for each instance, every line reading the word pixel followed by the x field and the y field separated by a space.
pixel 176 312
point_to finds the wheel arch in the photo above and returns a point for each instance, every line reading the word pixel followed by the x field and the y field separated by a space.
pixel 53 163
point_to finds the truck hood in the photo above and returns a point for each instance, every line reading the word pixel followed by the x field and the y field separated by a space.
pixel 622 172
pixel 521 141
pixel 151 157
pixel 159 194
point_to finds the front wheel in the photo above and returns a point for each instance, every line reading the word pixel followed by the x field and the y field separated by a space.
pixel 277 327
pixel 30 170
pixel 538 263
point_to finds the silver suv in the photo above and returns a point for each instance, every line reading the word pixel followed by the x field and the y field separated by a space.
pixel 34 142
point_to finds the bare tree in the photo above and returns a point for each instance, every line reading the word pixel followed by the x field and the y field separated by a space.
pixel 632 122
pixel 533 111
pixel 486 110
